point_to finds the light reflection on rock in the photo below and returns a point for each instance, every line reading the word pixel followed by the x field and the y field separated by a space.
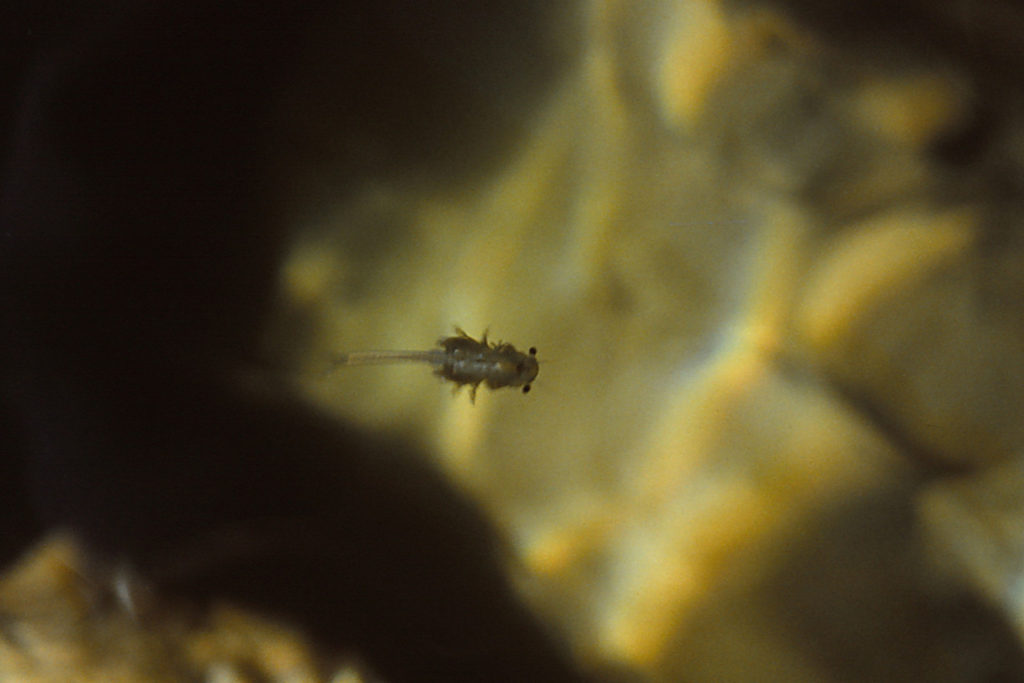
pixel 722 243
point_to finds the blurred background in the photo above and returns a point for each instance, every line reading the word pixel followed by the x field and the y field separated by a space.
pixel 770 255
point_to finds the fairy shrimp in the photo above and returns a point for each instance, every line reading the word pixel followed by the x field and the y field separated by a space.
pixel 463 360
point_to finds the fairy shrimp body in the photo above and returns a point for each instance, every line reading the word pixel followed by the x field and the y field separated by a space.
pixel 464 360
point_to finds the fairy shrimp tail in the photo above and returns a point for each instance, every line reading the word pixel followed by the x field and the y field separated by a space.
pixel 386 357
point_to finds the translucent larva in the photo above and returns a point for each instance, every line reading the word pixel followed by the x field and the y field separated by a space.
pixel 463 360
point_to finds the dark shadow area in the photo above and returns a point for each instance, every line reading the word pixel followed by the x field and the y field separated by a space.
pixel 357 540
pixel 854 596
pixel 140 243
pixel 858 591
pixel 19 525
pixel 979 40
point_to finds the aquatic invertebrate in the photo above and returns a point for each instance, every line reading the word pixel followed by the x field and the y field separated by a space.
pixel 463 360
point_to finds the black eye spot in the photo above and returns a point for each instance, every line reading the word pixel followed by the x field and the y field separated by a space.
pixel 526 389
pixel 533 350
